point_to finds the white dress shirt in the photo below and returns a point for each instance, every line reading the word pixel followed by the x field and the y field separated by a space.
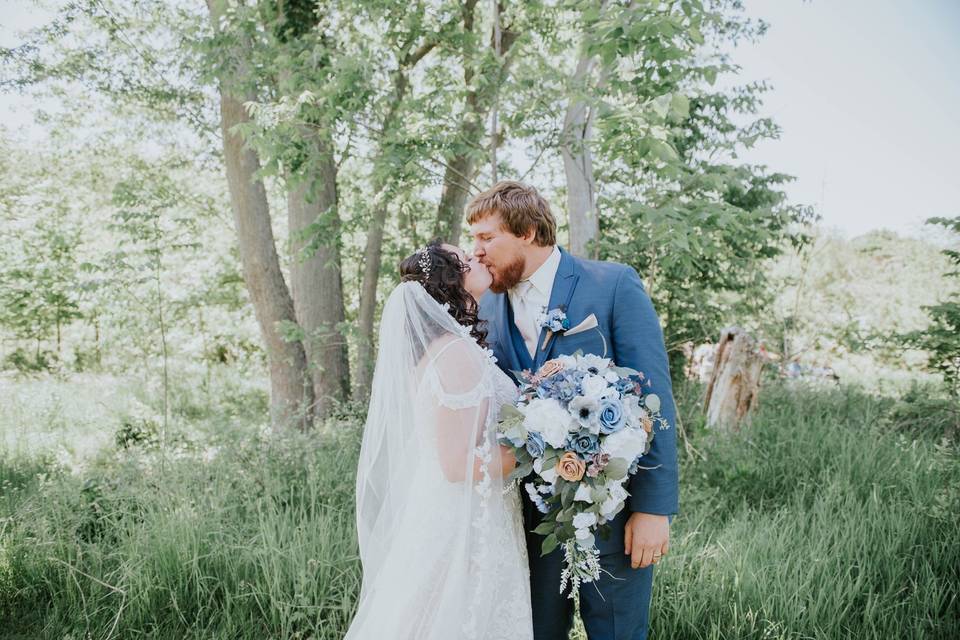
pixel 530 297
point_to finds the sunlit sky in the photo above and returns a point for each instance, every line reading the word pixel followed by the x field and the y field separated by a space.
pixel 867 93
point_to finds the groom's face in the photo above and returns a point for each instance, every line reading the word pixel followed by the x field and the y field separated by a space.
pixel 503 253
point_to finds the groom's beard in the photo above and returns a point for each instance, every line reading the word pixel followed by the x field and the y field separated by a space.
pixel 508 276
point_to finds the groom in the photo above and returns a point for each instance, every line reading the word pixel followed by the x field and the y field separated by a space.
pixel 515 237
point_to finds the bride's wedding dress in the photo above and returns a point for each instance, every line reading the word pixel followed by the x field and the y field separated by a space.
pixel 441 542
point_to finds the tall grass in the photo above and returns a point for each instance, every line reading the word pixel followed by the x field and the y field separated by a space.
pixel 827 518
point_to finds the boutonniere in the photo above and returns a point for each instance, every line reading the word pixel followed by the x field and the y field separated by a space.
pixel 555 321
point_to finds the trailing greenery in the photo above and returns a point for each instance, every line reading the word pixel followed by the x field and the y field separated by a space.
pixel 833 516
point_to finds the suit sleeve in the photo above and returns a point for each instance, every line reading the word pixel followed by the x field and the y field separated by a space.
pixel 638 343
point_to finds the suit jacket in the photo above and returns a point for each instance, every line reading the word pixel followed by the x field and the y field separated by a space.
pixel 630 327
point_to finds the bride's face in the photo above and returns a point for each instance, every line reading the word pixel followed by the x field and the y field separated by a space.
pixel 477 279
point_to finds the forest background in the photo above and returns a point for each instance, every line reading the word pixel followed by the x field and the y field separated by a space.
pixel 194 254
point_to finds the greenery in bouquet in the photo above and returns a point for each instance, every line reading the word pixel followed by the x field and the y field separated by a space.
pixel 579 430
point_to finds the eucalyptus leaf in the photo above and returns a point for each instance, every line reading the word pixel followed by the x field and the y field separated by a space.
pixel 652 402
pixel 549 544
pixel 616 469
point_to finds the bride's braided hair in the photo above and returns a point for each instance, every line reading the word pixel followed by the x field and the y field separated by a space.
pixel 441 274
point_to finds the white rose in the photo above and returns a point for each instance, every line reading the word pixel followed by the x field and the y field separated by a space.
pixel 585 539
pixel 584 520
pixel 626 443
pixel 593 386
pixel 588 360
pixel 611 508
pixel 583 494
pixel 568 362
pixel 616 495
pixel 616 490
pixel 633 411
pixel 610 376
pixel 548 475
pixel 548 416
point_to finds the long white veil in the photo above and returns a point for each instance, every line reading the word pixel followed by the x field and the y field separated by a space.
pixel 429 488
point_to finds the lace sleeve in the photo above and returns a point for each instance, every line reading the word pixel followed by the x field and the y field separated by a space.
pixel 461 387
pixel 459 375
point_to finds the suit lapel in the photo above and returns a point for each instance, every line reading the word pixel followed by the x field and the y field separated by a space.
pixel 560 296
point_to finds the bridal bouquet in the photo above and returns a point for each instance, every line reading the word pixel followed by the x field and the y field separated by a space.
pixel 581 426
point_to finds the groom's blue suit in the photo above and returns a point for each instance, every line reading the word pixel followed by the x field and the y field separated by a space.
pixel 612 609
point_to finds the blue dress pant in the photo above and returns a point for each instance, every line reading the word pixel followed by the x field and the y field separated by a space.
pixel 614 608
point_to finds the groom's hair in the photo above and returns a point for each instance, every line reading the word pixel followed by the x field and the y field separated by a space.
pixel 520 207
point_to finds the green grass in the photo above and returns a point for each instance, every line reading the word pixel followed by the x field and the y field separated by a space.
pixel 833 516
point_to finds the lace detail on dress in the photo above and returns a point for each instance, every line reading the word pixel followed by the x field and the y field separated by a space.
pixel 464 400
pixel 499 562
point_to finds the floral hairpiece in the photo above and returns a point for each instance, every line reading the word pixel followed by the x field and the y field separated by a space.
pixel 424 260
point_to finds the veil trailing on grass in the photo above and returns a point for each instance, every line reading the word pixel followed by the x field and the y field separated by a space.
pixel 431 515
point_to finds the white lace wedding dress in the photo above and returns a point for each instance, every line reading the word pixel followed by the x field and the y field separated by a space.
pixel 441 542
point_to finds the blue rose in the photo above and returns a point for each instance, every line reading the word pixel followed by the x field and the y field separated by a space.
pixel 624 386
pixel 584 443
pixel 611 416
pixel 544 390
pixel 566 390
pixel 535 444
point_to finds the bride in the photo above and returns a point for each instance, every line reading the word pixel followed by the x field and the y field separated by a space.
pixel 441 543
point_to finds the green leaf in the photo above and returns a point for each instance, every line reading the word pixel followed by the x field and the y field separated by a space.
pixel 567 493
pixel 521 472
pixel 544 528
pixel 616 468
pixel 661 105
pixel 663 151
pixel 599 494
pixel 652 401
pixel 509 412
pixel 565 515
pixel 680 105
pixel 549 544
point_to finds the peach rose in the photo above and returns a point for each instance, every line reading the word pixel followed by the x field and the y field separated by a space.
pixel 549 368
pixel 647 424
pixel 571 467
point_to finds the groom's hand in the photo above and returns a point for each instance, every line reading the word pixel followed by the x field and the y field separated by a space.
pixel 646 538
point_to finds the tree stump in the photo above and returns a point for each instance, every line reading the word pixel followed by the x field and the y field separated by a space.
pixel 734 386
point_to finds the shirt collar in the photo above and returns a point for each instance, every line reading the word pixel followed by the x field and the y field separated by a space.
pixel 542 278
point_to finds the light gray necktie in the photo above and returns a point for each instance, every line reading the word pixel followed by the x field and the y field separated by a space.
pixel 523 316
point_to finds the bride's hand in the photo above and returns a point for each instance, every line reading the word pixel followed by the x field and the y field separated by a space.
pixel 507 464
pixel 508 461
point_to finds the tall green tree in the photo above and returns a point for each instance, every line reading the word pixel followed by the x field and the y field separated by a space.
pixel 941 339
pixel 291 391
pixel 40 282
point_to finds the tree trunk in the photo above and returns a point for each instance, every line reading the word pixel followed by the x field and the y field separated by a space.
pixel 368 301
pixel 315 278
pixel 462 167
pixel 581 188
pixel 291 393
pixel 732 393
pixel 575 140
pixel 372 253
pixel 457 178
